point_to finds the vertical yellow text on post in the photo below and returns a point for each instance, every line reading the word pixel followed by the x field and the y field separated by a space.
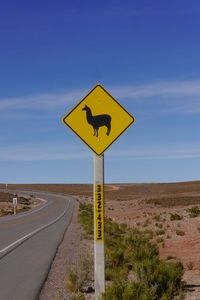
pixel 99 213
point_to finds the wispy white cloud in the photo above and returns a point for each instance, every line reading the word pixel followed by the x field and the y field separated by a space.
pixel 49 152
pixel 189 88
pixel 182 97
pixel 179 151
pixel 171 96
pixel 40 102
pixel 41 152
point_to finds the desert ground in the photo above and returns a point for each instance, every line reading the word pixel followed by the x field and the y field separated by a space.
pixel 24 203
pixel 170 211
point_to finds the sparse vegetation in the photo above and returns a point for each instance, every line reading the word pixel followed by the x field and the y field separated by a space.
pixel 193 211
pixel 175 201
pixel 146 223
pixel 79 275
pixel 180 232
pixel 86 219
pixel 129 251
pixel 190 265
pixel 160 232
pixel 175 217
pixel 23 203
pixel 77 296
pixel 171 195
pixel 169 257
pixel 149 233
pixel 160 240
pixel 160 225
pixel 156 218
pixel 5 212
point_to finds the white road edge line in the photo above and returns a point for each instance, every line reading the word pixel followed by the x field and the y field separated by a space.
pixel 22 239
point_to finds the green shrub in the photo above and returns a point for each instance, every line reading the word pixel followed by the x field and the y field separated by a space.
pixel 25 207
pixel 114 291
pixel 160 240
pixel 160 232
pixel 148 233
pixel 128 291
pixel 180 232
pixel 85 218
pixel 80 273
pixel 123 227
pixel 190 265
pixel 116 257
pixel 174 217
pixel 129 249
pixel 137 290
pixel 169 257
pixel 72 284
pixel 193 211
pixel 77 296
pixel 165 277
pixel 156 218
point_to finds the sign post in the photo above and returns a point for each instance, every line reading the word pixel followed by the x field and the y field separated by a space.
pixel 99 255
pixel 15 205
pixel 98 120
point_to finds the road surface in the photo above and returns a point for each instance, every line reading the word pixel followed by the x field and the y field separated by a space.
pixel 28 244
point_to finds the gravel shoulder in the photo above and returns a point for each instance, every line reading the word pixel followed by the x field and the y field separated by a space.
pixel 68 253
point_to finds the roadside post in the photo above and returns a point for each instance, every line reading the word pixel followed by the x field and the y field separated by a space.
pixel 98 120
pixel 15 205
pixel 99 254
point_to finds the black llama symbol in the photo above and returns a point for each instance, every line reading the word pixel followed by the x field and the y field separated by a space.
pixel 98 121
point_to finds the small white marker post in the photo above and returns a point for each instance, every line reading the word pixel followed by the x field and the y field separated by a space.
pixel 15 205
pixel 99 254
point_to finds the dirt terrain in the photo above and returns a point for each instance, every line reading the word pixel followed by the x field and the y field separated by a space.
pixel 161 209
pixel 24 203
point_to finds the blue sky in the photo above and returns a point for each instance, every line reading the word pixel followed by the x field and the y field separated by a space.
pixel 145 53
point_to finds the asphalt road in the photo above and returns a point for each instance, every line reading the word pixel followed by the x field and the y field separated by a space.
pixel 28 244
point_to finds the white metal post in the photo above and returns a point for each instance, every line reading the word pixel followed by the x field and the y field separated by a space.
pixel 15 205
pixel 99 254
pixel 14 209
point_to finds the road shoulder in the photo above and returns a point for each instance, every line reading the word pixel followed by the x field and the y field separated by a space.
pixel 68 252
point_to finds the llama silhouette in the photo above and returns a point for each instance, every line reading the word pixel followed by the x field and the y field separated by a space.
pixel 97 121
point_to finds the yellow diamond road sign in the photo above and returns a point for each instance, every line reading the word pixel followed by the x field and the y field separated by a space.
pixel 98 120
